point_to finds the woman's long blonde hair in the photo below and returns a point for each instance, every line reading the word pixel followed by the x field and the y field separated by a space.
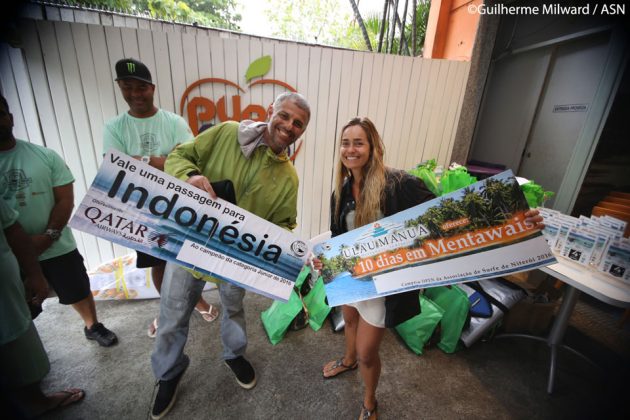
pixel 372 187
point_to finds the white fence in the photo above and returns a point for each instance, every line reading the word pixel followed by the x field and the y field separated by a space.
pixel 60 88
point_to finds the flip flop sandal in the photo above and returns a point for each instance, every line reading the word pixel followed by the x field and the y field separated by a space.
pixel 338 364
pixel 152 331
pixel 210 315
pixel 368 414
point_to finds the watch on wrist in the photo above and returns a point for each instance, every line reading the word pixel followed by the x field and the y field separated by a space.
pixel 193 173
pixel 53 234
pixel 146 159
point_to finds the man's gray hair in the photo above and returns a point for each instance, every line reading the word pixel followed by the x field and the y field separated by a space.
pixel 294 97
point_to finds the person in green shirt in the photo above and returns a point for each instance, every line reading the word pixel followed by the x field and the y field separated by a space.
pixel 36 183
pixel 147 133
pixel 23 360
pixel 252 155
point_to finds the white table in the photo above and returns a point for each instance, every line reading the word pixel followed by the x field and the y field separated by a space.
pixel 578 278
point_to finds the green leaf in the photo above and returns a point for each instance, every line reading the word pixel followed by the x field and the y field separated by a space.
pixel 258 67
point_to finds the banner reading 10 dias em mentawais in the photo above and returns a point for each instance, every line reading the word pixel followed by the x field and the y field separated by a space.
pixel 137 206
pixel 471 234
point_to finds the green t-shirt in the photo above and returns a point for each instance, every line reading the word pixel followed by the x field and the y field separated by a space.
pixel 153 136
pixel 14 314
pixel 28 174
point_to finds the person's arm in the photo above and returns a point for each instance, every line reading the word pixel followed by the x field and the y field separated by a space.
pixel 181 133
pixel 182 164
pixel 22 247
pixel 156 161
pixel 58 218
pixel 414 192
pixel 286 215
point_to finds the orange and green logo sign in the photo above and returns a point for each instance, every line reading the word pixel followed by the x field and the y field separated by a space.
pixel 202 110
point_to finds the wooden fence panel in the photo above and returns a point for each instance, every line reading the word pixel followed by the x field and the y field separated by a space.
pixel 115 52
pixel 409 137
pixel 61 89
pixel 27 100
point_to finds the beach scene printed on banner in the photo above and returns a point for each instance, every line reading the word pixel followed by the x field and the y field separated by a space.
pixel 483 222
pixel 137 206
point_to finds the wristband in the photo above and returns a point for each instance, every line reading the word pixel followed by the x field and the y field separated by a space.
pixel 53 234
pixel 193 173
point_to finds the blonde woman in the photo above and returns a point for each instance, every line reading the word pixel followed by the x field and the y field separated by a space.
pixel 366 191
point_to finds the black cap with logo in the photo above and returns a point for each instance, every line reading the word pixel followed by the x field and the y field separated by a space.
pixel 128 68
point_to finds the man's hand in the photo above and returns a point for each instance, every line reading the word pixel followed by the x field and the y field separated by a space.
pixel 41 243
pixel 202 182
pixel 36 288
pixel 158 162
pixel 22 247
pixel 533 217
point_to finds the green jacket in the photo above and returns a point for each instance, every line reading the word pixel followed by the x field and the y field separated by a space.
pixel 265 184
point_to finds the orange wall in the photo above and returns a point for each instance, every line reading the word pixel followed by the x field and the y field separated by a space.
pixel 451 29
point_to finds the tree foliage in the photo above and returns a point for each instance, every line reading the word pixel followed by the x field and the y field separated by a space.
pixel 321 21
pixel 314 21
pixel 213 13
pixel 354 39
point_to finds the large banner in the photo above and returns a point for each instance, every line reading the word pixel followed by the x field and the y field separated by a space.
pixel 137 206
pixel 471 234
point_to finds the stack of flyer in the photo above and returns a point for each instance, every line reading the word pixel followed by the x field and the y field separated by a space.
pixel 596 242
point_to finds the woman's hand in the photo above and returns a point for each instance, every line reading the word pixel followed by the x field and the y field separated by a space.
pixel 316 263
pixel 533 217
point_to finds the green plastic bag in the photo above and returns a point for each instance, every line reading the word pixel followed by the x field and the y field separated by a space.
pixel 454 179
pixel 416 331
pixel 426 172
pixel 315 302
pixel 535 194
pixel 455 303
pixel 277 318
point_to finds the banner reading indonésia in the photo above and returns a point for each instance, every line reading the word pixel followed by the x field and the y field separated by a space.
pixel 473 233
pixel 134 205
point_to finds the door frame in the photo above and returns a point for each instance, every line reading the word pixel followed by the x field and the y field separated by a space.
pixel 588 139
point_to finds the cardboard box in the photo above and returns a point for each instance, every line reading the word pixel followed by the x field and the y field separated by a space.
pixel 530 317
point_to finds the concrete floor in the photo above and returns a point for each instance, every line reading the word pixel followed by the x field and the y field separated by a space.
pixel 498 379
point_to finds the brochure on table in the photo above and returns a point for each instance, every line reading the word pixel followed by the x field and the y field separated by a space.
pixel 137 206
pixel 474 233
pixel 595 242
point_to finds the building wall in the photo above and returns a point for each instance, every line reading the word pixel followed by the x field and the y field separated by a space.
pixel 452 29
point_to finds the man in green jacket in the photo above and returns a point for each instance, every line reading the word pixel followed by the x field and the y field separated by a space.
pixel 253 156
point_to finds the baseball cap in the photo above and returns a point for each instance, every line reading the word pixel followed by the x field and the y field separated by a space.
pixel 128 68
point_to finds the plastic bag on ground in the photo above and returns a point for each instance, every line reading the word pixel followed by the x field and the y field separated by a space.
pixel 456 305
pixel 315 302
pixel 416 331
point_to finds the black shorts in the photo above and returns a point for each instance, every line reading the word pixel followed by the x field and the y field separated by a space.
pixel 68 277
pixel 145 260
